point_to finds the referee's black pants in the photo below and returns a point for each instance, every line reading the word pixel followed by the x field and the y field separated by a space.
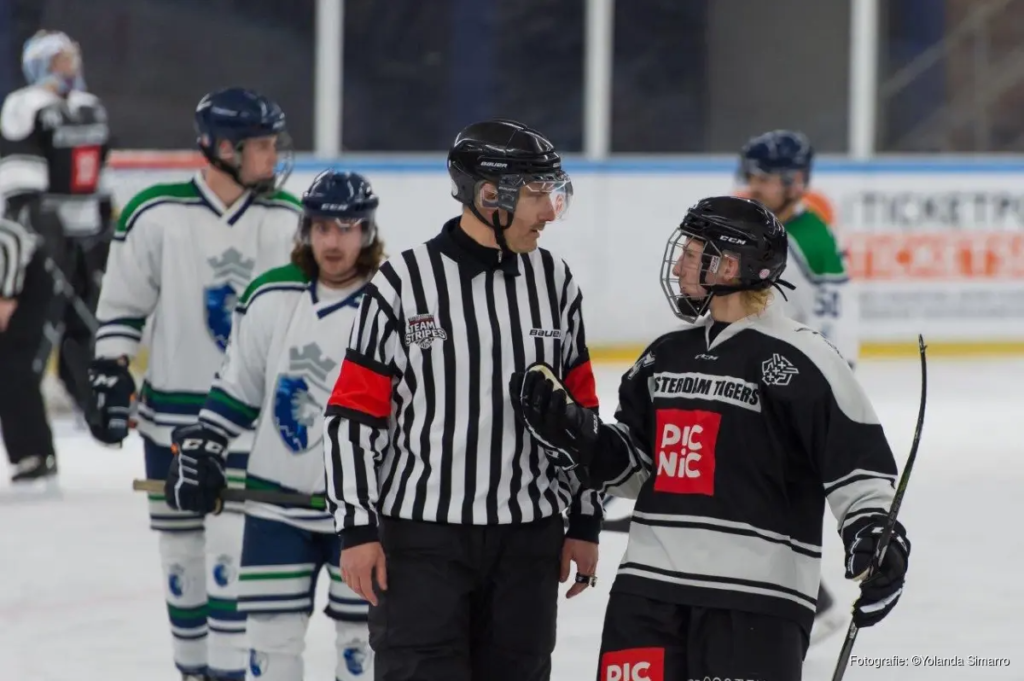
pixel 467 602
pixel 23 418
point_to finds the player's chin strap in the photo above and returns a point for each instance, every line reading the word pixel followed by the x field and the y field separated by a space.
pixel 260 187
pixel 779 284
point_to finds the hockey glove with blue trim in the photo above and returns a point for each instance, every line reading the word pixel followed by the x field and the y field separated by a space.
pixel 880 591
pixel 567 431
pixel 196 477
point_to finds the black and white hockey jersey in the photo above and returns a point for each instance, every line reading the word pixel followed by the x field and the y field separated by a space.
pixel 731 447
pixel 54 149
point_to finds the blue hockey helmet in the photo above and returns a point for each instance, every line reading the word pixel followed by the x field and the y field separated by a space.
pixel 344 197
pixel 779 152
pixel 37 57
pixel 235 115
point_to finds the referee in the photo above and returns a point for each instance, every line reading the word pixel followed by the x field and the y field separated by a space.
pixel 26 291
pixel 450 514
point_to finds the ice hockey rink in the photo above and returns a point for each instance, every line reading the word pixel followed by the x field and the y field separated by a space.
pixel 81 593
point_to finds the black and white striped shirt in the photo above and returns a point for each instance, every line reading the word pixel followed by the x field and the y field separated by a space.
pixel 420 425
pixel 16 248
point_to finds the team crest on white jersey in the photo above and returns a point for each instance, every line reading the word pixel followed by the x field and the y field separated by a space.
pixel 777 370
pixel 299 397
pixel 423 330
pixel 231 274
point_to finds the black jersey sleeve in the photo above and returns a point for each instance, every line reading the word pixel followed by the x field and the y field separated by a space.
pixel 622 460
pixel 836 425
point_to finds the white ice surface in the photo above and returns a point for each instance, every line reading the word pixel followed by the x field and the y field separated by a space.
pixel 81 593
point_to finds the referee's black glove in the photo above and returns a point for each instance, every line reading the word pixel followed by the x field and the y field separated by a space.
pixel 567 431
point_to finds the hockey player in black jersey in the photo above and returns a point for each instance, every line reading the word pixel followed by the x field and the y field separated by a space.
pixel 731 434
pixel 54 143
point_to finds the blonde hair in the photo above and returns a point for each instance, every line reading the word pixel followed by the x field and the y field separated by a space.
pixel 755 302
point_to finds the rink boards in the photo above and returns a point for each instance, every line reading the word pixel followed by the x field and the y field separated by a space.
pixel 934 247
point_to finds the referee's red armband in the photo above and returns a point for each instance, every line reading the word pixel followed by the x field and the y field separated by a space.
pixel 581 385
pixel 362 389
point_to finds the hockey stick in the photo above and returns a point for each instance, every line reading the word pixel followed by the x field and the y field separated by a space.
pixel 64 288
pixel 229 494
pixel 890 522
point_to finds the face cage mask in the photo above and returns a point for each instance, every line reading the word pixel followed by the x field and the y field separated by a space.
pixel 367 225
pixel 691 308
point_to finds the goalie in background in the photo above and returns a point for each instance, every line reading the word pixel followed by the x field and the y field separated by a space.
pixel 54 143
pixel 732 435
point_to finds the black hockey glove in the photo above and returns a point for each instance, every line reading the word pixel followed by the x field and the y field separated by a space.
pixel 880 591
pixel 566 430
pixel 112 389
pixel 196 477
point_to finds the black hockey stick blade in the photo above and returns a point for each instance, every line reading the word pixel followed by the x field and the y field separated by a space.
pixel 890 522
pixel 261 495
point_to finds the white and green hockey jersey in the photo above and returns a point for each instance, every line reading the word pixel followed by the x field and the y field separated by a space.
pixel 287 345
pixel 178 262
pixel 824 298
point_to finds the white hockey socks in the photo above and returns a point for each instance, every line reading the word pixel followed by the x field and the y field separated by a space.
pixel 184 563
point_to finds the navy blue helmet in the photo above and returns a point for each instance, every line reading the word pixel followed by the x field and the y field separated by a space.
pixel 236 115
pixel 346 197
pixel 779 152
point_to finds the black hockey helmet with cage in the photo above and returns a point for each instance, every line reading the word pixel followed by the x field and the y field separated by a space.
pixel 509 155
pixel 725 227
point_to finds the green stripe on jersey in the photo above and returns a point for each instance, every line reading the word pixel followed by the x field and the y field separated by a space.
pixel 234 405
pixel 286 274
pixel 813 239
pixel 281 196
pixel 183 192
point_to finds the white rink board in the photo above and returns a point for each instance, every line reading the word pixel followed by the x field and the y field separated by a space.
pixel 938 247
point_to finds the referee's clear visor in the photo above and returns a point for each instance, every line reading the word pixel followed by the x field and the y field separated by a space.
pixel 552 190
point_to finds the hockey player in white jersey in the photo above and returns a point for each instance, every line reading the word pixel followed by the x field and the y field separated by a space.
pixel 181 256
pixel 776 168
pixel 282 361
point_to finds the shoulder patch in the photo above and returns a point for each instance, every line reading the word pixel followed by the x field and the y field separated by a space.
pixel 173 192
pixel 285 277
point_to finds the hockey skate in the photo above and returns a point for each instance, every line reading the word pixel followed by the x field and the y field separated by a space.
pixel 828 619
pixel 34 468
pixel 34 478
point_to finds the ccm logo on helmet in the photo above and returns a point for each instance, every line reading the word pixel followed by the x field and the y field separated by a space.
pixel 635 664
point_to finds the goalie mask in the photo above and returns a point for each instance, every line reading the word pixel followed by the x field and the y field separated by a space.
pixel 715 230
pixel 40 65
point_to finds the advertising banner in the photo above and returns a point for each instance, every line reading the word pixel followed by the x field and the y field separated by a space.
pixel 934 248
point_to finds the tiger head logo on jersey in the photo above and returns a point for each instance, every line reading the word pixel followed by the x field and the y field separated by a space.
pixel 231 274
pixel 299 397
